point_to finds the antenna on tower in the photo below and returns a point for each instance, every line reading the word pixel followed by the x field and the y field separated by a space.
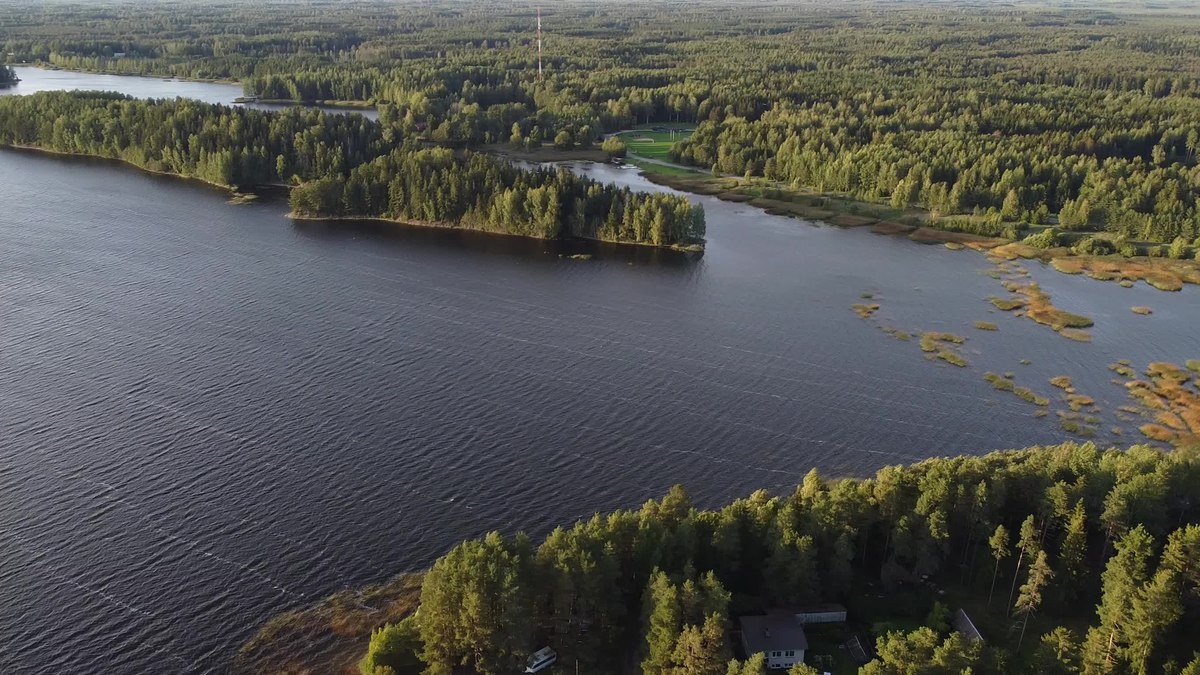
pixel 539 12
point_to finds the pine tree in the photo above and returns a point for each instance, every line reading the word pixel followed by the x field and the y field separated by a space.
pixel 701 650
pixel 663 625
pixel 1105 647
pixel 1073 552
pixel 1029 600
pixel 1156 608
pixel 999 545
pixel 1026 546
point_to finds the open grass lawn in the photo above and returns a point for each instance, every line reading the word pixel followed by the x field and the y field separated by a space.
pixel 826 651
pixel 655 140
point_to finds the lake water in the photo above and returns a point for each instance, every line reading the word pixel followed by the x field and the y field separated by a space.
pixel 34 80
pixel 213 413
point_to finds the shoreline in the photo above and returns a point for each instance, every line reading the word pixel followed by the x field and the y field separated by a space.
pixel 95 71
pixel 441 225
pixel 323 103
pixel 232 189
pixel 843 212
pixel 235 190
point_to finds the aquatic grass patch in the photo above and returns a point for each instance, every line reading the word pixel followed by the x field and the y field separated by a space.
pixel 865 311
pixel 942 345
pixel 1005 383
pixel 328 637
pixel 1144 311
pixel 1165 274
pixel 1007 304
pixel 1035 304
pixel 1122 368
pixel 1169 399
pixel 986 325
pixel 999 382
pixel 952 357
pixel 1077 402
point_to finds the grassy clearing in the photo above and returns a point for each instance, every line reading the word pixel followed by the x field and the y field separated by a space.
pixel 654 169
pixel 654 141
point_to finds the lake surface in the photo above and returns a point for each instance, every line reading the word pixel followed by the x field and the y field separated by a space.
pixel 213 414
pixel 34 80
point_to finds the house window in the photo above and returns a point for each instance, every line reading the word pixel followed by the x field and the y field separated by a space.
pixel 775 655
pixel 790 652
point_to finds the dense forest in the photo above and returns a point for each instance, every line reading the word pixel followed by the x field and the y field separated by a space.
pixel 344 165
pixel 1082 118
pixel 1018 536
pixel 480 192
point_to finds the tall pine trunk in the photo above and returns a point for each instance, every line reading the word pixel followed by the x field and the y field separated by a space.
pixel 1016 575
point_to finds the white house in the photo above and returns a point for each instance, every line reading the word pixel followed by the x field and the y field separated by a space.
pixel 779 635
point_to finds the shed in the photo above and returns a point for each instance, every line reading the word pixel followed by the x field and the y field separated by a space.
pixel 821 614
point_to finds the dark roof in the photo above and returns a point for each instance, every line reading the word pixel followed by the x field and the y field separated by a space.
pixel 820 609
pixel 774 631
pixel 963 624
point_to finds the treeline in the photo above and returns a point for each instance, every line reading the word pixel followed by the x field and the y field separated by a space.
pixel 1086 161
pixel 223 145
pixel 1076 117
pixel 479 192
pixel 1023 532
pixel 344 165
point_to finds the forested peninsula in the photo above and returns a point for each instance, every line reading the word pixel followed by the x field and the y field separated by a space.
pixel 1061 123
pixel 345 166
pixel 1013 538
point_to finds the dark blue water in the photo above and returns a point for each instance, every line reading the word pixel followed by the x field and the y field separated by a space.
pixel 212 413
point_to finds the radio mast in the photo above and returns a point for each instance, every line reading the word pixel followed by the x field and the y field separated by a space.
pixel 539 38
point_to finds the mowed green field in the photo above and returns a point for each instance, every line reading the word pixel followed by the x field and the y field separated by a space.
pixel 646 142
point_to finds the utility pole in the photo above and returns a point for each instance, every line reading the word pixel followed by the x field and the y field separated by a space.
pixel 539 39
